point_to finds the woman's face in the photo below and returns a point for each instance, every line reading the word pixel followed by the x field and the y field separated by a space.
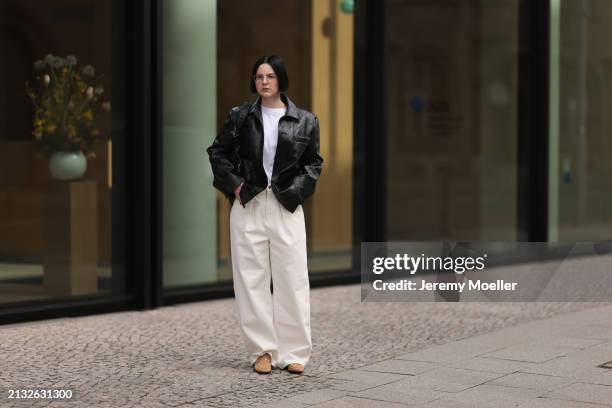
pixel 266 81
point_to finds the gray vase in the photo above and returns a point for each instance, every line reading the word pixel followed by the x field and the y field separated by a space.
pixel 67 165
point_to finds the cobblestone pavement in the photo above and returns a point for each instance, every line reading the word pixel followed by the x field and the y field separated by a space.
pixel 193 355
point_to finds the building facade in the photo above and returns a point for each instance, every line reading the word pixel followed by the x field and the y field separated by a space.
pixel 440 120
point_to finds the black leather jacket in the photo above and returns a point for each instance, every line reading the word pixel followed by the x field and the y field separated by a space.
pixel 297 163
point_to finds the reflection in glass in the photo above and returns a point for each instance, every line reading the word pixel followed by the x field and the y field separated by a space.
pixel 55 235
pixel 451 87
pixel 320 66
pixel 583 170
pixel 331 210
pixel 189 90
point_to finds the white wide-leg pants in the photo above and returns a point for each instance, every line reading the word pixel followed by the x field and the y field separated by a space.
pixel 269 242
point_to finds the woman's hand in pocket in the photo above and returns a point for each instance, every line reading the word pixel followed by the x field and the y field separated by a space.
pixel 237 192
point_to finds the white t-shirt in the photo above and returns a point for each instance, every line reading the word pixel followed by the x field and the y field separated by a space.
pixel 270 116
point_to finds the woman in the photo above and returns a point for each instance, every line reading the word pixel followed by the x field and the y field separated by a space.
pixel 266 161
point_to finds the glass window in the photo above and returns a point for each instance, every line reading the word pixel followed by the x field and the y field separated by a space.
pixel 451 85
pixel 209 50
pixel 189 109
pixel 55 224
pixel 581 84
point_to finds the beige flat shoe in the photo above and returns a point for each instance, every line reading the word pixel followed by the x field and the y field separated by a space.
pixel 295 368
pixel 263 364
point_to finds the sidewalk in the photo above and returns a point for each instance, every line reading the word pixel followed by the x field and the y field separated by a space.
pixel 365 355
pixel 551 363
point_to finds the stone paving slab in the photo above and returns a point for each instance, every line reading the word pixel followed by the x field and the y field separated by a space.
pixel 353 386
pixel 287 404
pixel 367 377
pixel 535 382
pixel 315 397
pixel 400 393
pixel 448 379
pixel 529 353
pixel 450 353
pixel 492 365
pixel 544 402
pixel 401 367
pixel 573 368
pixel 568 342
pixel 193 354
pixel 355 402
pixel 581 392
pixel 489 396
pixel 446 404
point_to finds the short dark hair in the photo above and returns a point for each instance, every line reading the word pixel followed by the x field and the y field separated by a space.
pixel 278 66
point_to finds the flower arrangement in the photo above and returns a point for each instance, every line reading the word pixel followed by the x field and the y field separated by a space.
pixel 65 100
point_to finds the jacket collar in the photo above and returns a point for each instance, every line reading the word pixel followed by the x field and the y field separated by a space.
pixel 292 110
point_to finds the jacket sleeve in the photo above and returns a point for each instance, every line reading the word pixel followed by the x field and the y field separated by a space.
pixel 225 177
pixel 312 165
